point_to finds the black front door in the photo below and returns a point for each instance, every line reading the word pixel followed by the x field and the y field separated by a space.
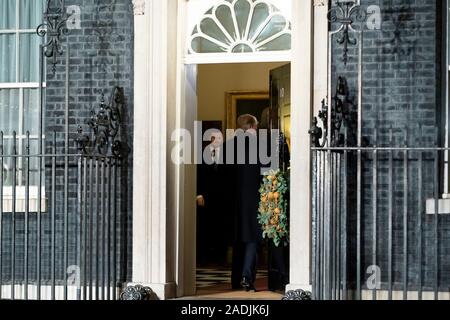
pixel 280 112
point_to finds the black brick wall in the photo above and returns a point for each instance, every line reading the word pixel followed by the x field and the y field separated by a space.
pixel 101 57
pixel 401 91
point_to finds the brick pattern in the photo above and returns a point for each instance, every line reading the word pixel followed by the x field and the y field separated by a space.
pixel 101 57
pixel 401 80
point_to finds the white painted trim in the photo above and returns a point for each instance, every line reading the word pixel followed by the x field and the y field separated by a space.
pixel 23 137
pixel 301 113
pixel 46 292
pixel 178 174
pixel 162 253
pixel 20 85
pixel 252 57
pixel 12 31
pixel 186 187
pixel 20 191
pixel 21 199
pixel 397 295
pixel 320 55
pixel 301 58
pixel 153 233
pixel 443 205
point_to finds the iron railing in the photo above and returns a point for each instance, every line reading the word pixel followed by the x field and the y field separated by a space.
pixel 62 221
pixel 379 226
pixel 61 229
pixel 63 245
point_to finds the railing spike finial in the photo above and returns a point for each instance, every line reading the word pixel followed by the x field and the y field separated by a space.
pixel 54 27
pixel 105 126
pixel 346 14
pixel 343 116
pixel 316 133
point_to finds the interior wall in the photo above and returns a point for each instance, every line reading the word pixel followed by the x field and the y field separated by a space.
pixel 214 80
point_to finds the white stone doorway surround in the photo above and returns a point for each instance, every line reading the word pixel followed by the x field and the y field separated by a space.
pixel 163 241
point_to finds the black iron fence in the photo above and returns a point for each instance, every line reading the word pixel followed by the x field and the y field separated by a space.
pixel 380 225
pixel 61 223
pixel 59 240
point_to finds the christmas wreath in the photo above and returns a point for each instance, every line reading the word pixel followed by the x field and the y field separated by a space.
pixel 273 207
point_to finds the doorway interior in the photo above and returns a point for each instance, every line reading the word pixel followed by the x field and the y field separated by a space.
pixel 224 92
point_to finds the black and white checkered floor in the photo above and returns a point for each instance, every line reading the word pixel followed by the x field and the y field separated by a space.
pixel 208 277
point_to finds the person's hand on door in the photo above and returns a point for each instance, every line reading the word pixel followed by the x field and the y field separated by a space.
pixel 200 201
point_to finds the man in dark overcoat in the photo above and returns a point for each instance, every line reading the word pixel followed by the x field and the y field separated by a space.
pixel 214 219
pixel 245 177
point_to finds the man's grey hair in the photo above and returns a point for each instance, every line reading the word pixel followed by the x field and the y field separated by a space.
pixel 247 121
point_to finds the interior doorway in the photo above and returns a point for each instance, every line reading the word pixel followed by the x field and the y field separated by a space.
pixel 225 92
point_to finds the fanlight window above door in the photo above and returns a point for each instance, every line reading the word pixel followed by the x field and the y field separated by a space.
pixel 241 26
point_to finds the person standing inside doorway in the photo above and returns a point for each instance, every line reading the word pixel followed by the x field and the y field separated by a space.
pixel 246 177
pixel 212 237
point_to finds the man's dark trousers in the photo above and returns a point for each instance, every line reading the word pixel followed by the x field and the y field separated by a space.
pixel 250 257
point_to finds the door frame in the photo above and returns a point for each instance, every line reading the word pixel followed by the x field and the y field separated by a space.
pixel 188 183
pixel 160 259
pixel 301 59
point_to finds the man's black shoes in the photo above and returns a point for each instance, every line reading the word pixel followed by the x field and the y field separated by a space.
pixel 247 285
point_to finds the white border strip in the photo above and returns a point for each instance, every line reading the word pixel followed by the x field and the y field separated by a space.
pixel 46 290
pixel 251 57
pixel 18 85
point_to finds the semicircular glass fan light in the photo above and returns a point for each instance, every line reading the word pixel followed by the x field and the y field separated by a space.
pixel 237 26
